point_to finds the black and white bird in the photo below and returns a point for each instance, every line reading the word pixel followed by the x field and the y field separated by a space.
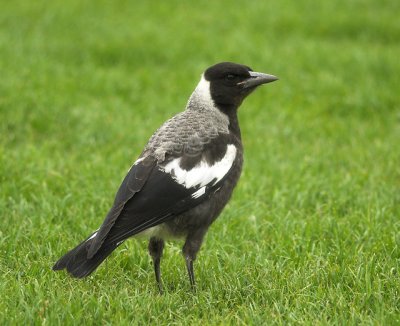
pixel 183 178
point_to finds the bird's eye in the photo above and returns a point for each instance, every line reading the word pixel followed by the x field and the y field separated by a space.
pixel 230 77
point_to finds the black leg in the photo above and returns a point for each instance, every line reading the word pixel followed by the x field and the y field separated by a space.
pixel 190 249
pixel 189 266
pixel 156 247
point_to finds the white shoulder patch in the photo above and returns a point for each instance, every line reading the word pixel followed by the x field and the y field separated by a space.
pixel 202 174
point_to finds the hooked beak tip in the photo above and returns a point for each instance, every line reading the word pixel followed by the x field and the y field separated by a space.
pixel 258 78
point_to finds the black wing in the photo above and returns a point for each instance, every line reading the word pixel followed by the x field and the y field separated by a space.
pixel 147 197
pixel 132 183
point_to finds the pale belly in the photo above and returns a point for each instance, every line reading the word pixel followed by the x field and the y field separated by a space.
pixel 161 231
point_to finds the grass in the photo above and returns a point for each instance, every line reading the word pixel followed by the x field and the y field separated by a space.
pixel 312 234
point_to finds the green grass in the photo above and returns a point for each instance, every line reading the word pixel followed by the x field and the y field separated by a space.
pixel 312 233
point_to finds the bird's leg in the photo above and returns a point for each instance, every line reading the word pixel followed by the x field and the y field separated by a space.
pixel 156 247
pixel 190 249
pixel 189 266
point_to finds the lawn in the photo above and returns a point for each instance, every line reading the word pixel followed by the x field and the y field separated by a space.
pixel 312 233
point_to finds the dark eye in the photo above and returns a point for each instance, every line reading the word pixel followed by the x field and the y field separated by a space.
pixel 230 77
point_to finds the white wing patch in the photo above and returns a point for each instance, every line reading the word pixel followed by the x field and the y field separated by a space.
pixel 136 162
pixel 199 192
pixel 92 236
pixel 202 174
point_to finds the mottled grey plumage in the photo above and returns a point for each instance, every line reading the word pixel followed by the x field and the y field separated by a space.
pixel 188 131
pixel 183 178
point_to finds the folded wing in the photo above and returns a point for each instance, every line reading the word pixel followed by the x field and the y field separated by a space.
pixel 152 193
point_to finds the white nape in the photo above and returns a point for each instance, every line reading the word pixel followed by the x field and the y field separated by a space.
pixel 201 96
pixel 202 174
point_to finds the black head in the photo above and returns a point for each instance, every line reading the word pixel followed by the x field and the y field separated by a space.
pixel 230 83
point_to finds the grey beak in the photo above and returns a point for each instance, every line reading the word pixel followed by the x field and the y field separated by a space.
pixel 258 78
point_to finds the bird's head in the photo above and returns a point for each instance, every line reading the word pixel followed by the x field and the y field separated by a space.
pixel 227 84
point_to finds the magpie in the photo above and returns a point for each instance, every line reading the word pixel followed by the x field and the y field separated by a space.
pixel 183 178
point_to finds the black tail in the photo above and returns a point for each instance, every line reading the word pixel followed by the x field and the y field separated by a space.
pixel 77 263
